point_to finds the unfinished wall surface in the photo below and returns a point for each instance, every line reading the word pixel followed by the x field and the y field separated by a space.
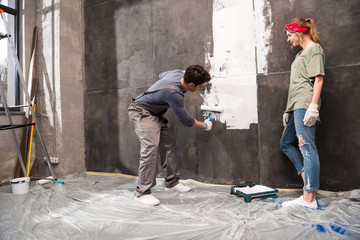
pixel 128 43
pixel 141 39
pixel 60 101
pixel 59 66
pixel 8 152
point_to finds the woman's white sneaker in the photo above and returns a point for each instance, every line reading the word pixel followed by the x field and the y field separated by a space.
pixel 148 199
pixel 179 188
pixel 300 201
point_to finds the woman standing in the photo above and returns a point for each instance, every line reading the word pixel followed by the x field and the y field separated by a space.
pixel 302 109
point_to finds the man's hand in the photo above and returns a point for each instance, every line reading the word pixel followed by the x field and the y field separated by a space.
pixel 311 115
pixel 285 118
pixel 208 124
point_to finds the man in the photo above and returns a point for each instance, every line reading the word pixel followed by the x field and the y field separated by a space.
pixel 146 115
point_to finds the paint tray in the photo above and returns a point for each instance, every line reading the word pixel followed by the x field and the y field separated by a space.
pixel 253 190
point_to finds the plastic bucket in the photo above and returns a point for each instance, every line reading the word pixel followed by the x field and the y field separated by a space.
pixel 20 185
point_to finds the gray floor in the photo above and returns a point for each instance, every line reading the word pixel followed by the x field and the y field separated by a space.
pixel 91 206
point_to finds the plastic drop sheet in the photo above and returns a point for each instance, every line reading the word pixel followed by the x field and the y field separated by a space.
pixel 103 207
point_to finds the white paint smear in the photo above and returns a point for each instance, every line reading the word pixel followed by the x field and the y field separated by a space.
pixel 51 52
pixel 263 26
pixel 239 43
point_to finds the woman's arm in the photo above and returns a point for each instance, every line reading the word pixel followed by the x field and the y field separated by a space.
pixel 319 81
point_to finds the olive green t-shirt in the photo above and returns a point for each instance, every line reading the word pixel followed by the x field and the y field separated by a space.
pixel 304 69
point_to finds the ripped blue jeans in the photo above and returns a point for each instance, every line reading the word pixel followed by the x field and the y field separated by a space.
pixel 307 159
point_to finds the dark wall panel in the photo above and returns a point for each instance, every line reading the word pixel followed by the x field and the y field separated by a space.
pixel 339 131
pixel 128 43
pixel 275 168
pixel 118 66
pixel 338 135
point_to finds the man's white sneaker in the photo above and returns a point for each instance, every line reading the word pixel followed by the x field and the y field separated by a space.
pixel 300 201
pixel 179 188
pixel 148 199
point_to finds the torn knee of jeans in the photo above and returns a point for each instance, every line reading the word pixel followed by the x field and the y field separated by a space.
pixel 301 141
pixel 301 171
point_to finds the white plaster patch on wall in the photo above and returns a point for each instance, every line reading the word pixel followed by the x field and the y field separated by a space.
pixel 47 74
pixel 51 52
pixel 57 62
pixel 47 98
pixel 263 26
pixel 233 61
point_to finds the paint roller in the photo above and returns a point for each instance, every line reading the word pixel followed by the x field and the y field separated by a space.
pixel 44 181
pixel 215 109
pixel 212 111
pixel 49 179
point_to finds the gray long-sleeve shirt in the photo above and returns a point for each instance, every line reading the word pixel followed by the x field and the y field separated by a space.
pixel 170 97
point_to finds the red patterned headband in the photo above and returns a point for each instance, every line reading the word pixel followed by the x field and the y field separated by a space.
pixel 297 27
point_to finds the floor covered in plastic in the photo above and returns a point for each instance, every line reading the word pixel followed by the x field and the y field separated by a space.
pixel 90 206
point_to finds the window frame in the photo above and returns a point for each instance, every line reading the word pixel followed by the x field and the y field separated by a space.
pixel 16 13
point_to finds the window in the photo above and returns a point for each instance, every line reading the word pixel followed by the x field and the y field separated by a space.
pixel 8 70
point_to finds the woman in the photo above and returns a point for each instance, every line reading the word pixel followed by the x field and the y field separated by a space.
pixel 301 114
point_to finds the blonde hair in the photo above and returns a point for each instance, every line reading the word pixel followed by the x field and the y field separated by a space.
pixel 309 23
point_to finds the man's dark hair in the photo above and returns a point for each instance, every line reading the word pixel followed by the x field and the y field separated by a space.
pixel 196 74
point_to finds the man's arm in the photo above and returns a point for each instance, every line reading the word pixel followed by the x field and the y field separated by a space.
pixel 199 124
pixel 183 115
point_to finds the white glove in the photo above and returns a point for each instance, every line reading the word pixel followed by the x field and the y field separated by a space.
pixel 208 124
pixel 311 115
pixel 285 118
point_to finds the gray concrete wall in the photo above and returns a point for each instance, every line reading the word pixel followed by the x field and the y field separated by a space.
pixel 8 152
pixel 136 45
pixel 59 67
pixel 128 43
